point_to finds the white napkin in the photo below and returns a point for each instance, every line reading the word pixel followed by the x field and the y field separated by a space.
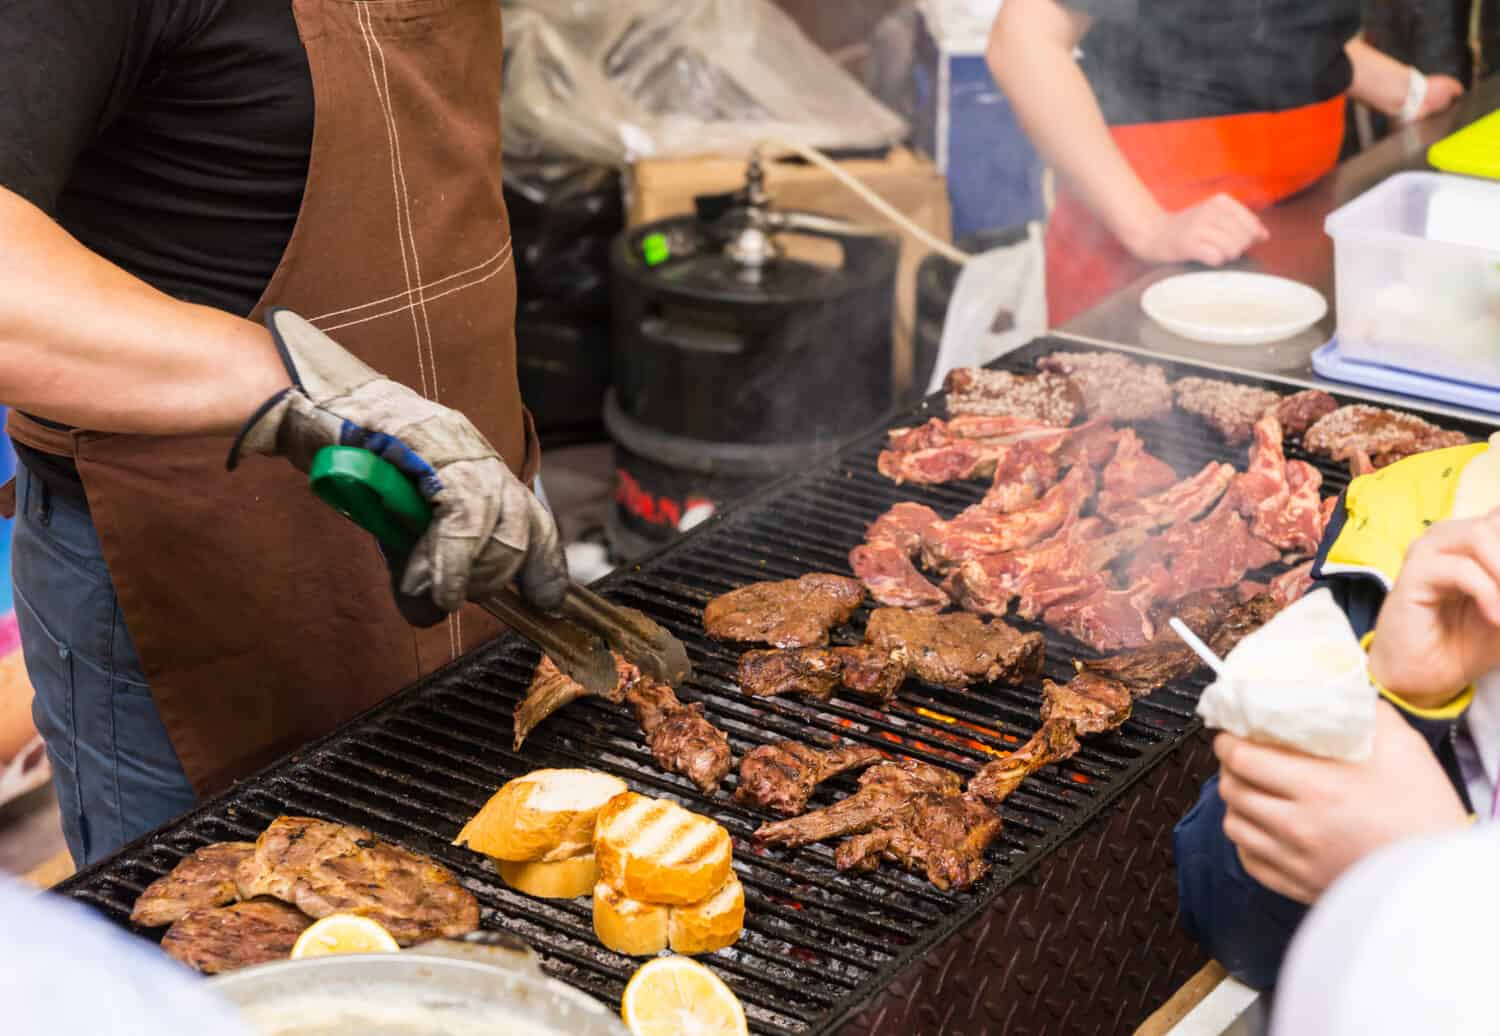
pixel 1299 681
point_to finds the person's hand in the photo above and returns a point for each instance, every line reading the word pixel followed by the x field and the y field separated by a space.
pixel 1213 232
pixel 1299 821
pixel 487 528
pixel 1442 91
pixel 1439 628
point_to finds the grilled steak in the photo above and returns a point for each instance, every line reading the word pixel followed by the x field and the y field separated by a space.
pixel 869 672
pixel 1053 742
pixel 218 939
pixel 943 837
pixel 204 879
pixel 1227 408
pixel 323 868
pixel 680 737
pixel 1114 387
pixel 1166 658
pixel 958 649
pixel 1046 397
pixel 885 792
pixel 785 613
pixel 1386 436
pixel 1090 703
pixel 551 689
pixel 780 778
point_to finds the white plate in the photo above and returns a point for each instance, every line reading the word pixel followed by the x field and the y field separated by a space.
pixel 1232 307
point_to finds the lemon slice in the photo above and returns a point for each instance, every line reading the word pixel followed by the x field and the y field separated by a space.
pixel 343 933
pixel 677 996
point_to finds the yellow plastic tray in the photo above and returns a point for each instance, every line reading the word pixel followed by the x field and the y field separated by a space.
pixel 1472 151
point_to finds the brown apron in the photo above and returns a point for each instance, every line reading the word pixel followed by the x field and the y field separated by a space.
pixel 261 618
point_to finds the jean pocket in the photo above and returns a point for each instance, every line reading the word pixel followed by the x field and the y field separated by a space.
pixel 52 670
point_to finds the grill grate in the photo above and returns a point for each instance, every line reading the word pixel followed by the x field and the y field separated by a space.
pixel 819 946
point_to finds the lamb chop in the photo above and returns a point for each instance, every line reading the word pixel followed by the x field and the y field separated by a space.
pixel 1022 475
pixel 951 451
pixel 943 837
pixel 886 791
pixel 324 868
pixel 784 613
pixel 883 562
pixel 780 777
pixel 680 737
pixel 1077 575
pixel 1107 619
pixel 551 689
pixel 1182 502
pixel 1281 499
pixel 204 879
pixel 987 585
pixel 214 940
pixel 1132 472
pixel 1046 397
pixel 1166 658
pixel 1114 386
pixel 978 532
pixel 1386 436
pixel 1087 704
pixel 1292 584
pixel 1210 554
pixel 957 649
pixel 870 672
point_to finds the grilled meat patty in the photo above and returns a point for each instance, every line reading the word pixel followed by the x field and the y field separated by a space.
pixel 324 868
pixel 1385 436
pixel 680 737
pixel 204 879
pixel 785 613
pixel 958 649
pixel 1228 408
pixel 218 939
pixel 870 672
pixel 1046 397
pixel 1114 387
pixel 780 777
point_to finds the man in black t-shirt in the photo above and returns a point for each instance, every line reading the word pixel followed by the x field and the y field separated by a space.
pixel 1235 89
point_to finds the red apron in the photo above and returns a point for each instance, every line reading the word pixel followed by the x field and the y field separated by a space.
pixel 262 619
pixel 1258 158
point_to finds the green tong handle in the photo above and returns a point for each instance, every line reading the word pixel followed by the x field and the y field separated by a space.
pixel 371 492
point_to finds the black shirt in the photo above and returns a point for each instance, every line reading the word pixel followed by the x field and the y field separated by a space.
pixel 1163 60
pixel 170 137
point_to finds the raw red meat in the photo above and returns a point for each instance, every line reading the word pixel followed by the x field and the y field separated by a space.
pixel 1132 472
pixel 1083 572
pixel 1280 498
pixel 1292 584
pixel 883 562
pixel 987 585
pixel 1021 477
pixel 1210 554
pixel 1182 502
pixel 978 531
pixel 1107 620
pixel 1330 505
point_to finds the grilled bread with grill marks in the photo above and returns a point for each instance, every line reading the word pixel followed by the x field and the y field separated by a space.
pixel 547 815
pixel 658 852
pixel 710 925
pixel 324 868
pixel 204 879
pixel 627 925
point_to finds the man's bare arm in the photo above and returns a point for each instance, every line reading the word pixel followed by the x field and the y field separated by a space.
pixel 85 343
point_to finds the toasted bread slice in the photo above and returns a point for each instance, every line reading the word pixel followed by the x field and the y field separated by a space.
pixel 561 879
pixel 658 852
pixel 710 925
pixel 547 815
pixel 627 925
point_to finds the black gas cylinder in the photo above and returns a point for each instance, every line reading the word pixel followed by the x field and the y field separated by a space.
pixel 735 363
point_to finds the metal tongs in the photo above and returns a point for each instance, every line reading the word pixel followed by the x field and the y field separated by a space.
pixel 373 494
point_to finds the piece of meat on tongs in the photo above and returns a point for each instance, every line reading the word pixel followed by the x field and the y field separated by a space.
pixel 884 792
pixel 680 737
pixel 781 777
pixel 873 673
pixel 551 689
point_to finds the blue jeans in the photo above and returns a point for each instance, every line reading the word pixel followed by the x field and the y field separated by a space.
pixel 116 772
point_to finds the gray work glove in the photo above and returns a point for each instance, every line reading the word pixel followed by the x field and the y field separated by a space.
pixel 487 528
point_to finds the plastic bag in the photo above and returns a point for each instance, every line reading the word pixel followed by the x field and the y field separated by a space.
pixel 960 19
pixel 610 81
pixel 998 304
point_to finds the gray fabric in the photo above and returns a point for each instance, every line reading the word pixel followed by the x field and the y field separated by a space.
pixel 487 528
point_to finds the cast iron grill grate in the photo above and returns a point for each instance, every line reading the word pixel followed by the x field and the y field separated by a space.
pixel 818 945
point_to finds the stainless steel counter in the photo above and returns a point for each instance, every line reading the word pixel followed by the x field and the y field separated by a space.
pixel 1298 249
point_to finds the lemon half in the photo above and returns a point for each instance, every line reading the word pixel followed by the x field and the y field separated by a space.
pixel 343 933
pixel 677 996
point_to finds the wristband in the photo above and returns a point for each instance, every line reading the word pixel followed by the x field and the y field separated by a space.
pixel 1416 96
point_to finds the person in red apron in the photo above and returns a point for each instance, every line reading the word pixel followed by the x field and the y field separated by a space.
pixel 233 232
pixel 1181 120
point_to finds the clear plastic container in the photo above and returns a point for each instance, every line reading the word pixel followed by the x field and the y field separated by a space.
pixel 1417 268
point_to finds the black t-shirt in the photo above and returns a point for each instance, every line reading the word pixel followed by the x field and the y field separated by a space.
pixel 1163 60
pixel 170 137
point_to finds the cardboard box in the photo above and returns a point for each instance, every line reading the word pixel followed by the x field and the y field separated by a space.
pixel 659 188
